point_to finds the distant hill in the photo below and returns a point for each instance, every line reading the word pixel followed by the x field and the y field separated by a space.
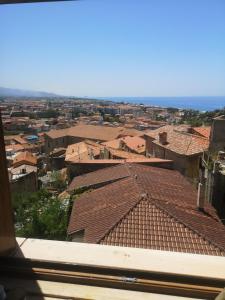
pixel 7 92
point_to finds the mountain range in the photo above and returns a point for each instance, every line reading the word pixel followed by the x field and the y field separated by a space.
pixel 8 92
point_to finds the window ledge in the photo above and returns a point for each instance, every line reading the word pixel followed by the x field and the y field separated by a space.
pixel 123 257
pixel 89 271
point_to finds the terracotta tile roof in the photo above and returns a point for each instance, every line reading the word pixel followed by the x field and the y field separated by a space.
pixel 134 143
pixel 100 176
pixel 82 151
pixel 167 128
pixel 149 160
pixel 202 131
pixel 179 141
pixel 89 150
pixel 151 208
pixel 24 158
pixel 20 140
pixel 98 161
pixel 109 174
pixel 17 138
pixel 124 154
pixel 164 163
pixel 99 210
pixel 14 147
pixel 114 144
pixel 101 133
pixel 156 229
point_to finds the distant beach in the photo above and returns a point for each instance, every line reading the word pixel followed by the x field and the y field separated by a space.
pixel 197 103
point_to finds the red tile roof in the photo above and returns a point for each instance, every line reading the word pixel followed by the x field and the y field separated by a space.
pixel 87 151
pixel 17 138
pixel 14 147
pixel 124 154
pixel 82 151
pixel 179 141
pixel 109 174
pixel 24 158
pixel 158 230
pixel 99 177
pixel 151 208
pixel 101 133
pixel 202 131
pixel 134 143
pixel 115 144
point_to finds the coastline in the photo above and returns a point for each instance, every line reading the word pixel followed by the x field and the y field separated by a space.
pixel 201 103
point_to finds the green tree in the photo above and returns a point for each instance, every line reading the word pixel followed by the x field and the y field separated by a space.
pixel 172 110
pixel 58 181
pixel 50 113
pixel 40 215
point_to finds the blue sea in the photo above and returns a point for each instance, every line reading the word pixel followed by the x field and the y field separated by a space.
pixel 198 103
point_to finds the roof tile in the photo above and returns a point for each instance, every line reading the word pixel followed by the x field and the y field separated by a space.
pixel 179 141
pixel 149 208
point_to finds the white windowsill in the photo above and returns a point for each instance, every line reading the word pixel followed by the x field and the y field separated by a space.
pixel 125 258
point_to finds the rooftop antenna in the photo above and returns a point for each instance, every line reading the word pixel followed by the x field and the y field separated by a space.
pixel 200 198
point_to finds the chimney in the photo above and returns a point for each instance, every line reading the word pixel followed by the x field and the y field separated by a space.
pixel 189 130
pixel 200 198
pixel 163 138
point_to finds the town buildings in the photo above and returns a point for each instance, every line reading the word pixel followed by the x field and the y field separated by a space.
pixel 65 137
pixel 131 148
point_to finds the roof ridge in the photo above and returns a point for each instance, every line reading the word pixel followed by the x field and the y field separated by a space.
pixel 105 182
pixel 168 215
pixel 99 190
pixel 107 185
pixel 142 197
pixel 153 200
pixel 192 135
pixel 189 145
pixel 85 174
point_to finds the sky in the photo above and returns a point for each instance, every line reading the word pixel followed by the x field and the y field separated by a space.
pixel 115 47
